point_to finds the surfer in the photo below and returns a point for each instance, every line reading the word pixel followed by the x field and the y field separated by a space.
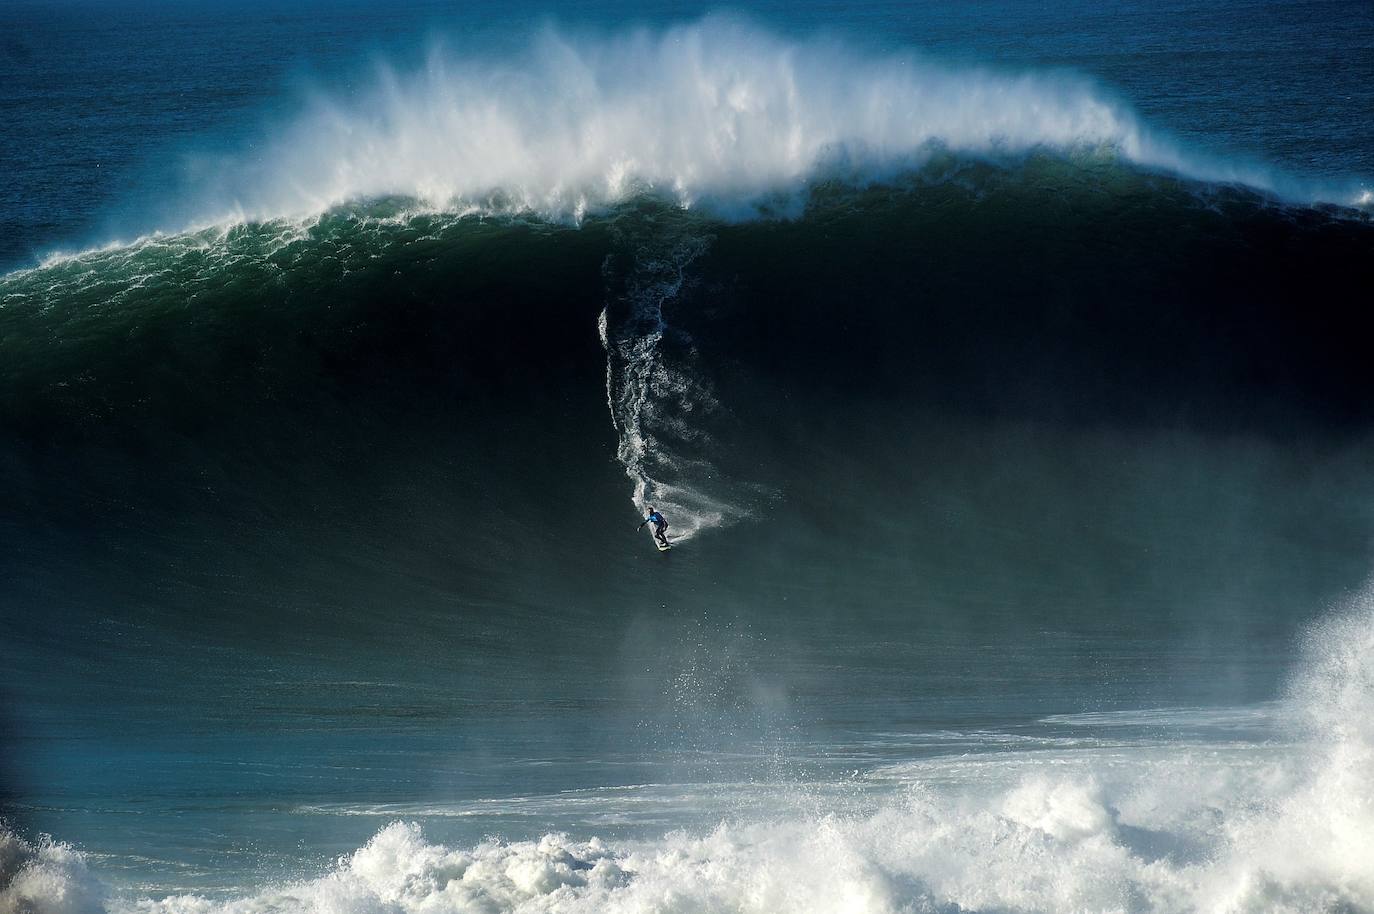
pixel 660 525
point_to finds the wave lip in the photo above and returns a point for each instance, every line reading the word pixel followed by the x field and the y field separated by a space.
pixel 718 113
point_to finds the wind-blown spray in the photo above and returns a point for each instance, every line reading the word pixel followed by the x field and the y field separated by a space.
pixel 718 113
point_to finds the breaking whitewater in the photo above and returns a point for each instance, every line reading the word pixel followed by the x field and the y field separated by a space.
pixel 1257 809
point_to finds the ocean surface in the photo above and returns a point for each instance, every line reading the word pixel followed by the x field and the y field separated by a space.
pixel 1002 368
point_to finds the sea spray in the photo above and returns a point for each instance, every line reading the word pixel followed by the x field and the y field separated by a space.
pixel 1095 826
pixel 718 113
pixel 46 877
pixel 1312 849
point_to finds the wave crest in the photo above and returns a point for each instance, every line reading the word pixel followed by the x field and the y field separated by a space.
pixel 718 113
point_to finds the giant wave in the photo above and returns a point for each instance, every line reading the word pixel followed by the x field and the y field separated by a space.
pixel 421 329
pixel 379 300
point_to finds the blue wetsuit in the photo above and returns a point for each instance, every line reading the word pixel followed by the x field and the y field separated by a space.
pixel 660 525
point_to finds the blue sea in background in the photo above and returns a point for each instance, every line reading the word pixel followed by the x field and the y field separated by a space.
pixel 1001 368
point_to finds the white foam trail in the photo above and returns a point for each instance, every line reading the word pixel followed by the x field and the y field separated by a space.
pixel 648 395
pixel 717 112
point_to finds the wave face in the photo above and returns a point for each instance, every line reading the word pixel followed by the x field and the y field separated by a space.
pixel 271 313
pixel 719 114
pixel 1272 822
pixel 288 325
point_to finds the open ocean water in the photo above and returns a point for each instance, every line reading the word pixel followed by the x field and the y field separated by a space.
pixel 1002 369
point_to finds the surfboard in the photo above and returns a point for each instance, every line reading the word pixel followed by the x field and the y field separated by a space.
pixel 661 547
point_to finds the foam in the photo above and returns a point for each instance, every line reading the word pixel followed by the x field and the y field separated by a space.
pixel 1272 827
pixel 717 113
pixel 648 393
pixel 46 877
pixel 1055 842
